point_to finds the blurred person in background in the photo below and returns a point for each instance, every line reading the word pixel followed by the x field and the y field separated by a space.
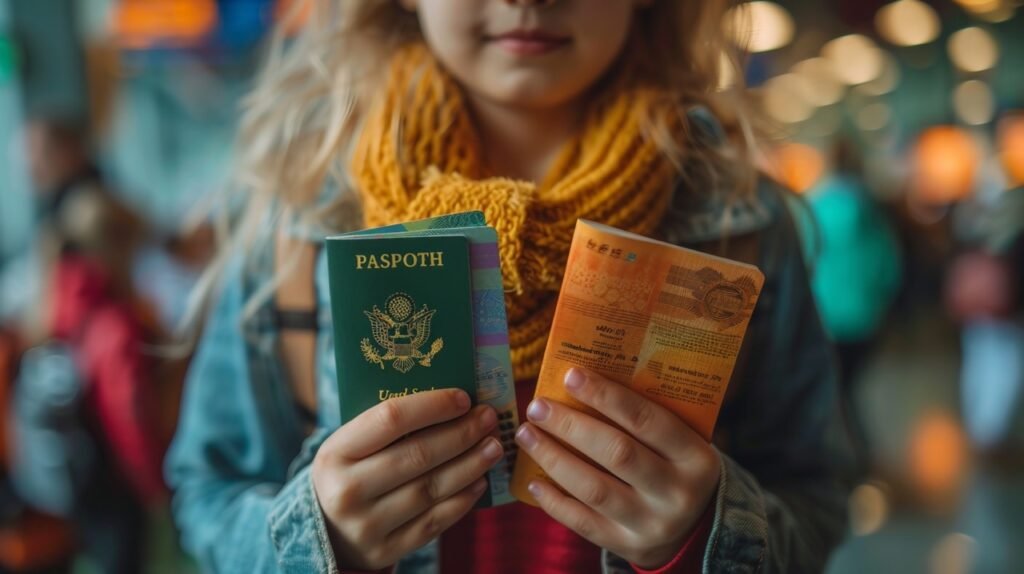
pixel 985 292
pixel 857 269
pixel 90 420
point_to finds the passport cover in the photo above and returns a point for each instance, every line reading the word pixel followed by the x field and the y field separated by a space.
pixel 665 321
pixel 402 316
pixel 494 382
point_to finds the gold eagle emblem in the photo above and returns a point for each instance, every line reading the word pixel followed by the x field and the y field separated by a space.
pixel 401 331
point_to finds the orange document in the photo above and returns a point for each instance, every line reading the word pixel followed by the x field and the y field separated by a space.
pixel 664 320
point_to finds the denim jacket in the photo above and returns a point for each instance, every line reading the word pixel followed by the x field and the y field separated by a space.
pixel 240 463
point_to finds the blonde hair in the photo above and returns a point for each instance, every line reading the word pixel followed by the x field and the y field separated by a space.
pixel 300 121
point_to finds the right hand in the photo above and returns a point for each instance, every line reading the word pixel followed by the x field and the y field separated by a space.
pixel 384 495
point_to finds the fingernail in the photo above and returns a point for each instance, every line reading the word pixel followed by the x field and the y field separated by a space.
pixel 488 418
pixel 526 438
pixel 492 450
pixel 534 489
pixel 538 410
pixel 574 379
pixel 462 399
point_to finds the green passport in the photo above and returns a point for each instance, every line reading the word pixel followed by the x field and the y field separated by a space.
pixel 403 322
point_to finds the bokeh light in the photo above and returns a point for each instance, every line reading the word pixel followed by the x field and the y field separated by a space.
pixel 869 509
pixel 826 87
pixel 760 26
pixel 945 164
pixel 908 23
pixel 887 80
pixel 855 58
pixel 973 50
pixel 797 166
pixel 990 10
pixel 938 455
pixel 974 102
pixel 1011 147
pixel 785 98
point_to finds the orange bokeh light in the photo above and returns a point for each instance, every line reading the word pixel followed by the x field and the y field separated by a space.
pixel 1011 148
pixel 797 166
pixel 945 163
pixel 938 455
pixel 144 23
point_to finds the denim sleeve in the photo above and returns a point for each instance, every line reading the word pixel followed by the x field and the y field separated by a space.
pixel 239 507
pixel 781 501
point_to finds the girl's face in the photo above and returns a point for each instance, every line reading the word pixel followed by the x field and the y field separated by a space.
pixel 531 54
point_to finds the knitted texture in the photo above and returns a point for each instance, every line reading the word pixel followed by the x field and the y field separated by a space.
pixel 418 156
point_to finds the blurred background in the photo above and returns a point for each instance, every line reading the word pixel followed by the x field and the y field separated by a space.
pixel 899 126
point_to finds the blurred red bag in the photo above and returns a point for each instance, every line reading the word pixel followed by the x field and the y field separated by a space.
pixel 125 388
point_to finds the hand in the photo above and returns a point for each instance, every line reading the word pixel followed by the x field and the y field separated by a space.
pixel 383 499
pixel 656 479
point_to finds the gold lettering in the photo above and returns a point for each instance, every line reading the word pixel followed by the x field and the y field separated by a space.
pixel 385 394
pixel 397 260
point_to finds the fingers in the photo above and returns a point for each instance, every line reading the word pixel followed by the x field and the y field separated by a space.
pixel 616 451
pixel 575 515
pixel 652 424
pixel 591 486
pixel 433 522
pixel 416 497
pixel 423 451
pixel 394 418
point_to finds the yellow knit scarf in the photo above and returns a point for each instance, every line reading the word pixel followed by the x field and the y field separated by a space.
pixel 418 157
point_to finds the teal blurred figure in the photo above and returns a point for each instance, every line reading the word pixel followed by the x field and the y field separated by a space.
pixel 857 271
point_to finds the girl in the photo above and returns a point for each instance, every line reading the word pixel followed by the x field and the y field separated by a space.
pixel 537 113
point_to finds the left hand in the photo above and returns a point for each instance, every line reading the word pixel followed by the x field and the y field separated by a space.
pixel 656 476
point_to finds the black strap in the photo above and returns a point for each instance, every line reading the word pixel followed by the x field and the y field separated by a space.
pixel 307 320
pixel 297 319
pixel 301 319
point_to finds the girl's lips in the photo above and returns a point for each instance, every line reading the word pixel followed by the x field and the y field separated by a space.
pixel 529 43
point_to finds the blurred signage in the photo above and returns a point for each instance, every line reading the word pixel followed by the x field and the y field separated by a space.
pixel 180 24
pixel 143 24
